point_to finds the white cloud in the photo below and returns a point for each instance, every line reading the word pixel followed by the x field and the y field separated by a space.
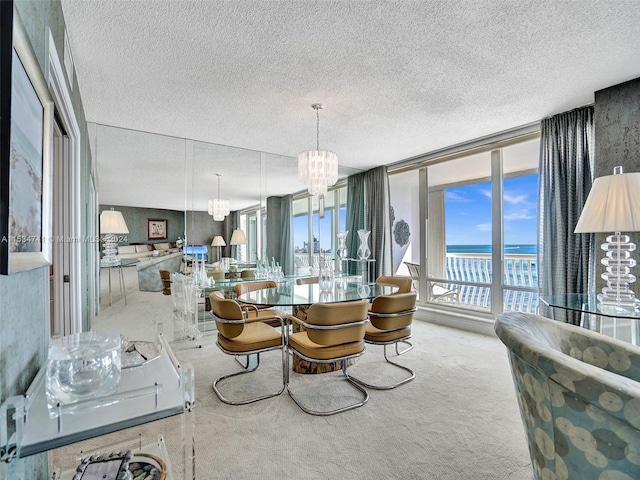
pixel 523 214
pixel 514 199
pixel 456 197
pixel 484 227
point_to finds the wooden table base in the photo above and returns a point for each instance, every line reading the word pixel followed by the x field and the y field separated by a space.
pixel 303 366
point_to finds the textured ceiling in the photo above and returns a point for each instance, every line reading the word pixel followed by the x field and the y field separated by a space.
pixel 397 78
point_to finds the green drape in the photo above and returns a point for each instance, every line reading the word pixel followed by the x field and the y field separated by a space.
pixel 355 215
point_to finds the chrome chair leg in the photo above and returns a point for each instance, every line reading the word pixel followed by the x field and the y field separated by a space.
pixel 409 348
pixel 248 364
pixel 251 368
pixel 411 376
pixel 365 395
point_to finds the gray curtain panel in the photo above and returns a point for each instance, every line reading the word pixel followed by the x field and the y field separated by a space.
pixel 355 215
pixel 565 178
pixel 378 219
pixel 286 243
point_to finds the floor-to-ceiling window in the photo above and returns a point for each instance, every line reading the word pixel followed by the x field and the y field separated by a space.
pixel 253 224
pixel 479 230
pixel 520 185
pixel 460 202
pixel 316 222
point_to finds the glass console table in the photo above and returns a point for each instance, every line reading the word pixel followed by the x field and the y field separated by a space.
pixel 157 389
pixel 621 324
pixel 364 268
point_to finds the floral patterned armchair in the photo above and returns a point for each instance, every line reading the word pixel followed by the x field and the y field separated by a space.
pixel 579 397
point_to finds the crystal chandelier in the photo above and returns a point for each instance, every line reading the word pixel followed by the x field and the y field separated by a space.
pixel 218 207
pixel 318 169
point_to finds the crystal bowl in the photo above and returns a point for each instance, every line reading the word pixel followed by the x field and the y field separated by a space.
pixel 83 366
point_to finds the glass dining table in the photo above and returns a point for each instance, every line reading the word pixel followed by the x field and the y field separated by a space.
pixel 301 297
pixel 289 294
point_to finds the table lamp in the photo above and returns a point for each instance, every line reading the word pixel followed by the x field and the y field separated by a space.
pixel 219 242
pixel 613 205
pixel 111 224
pixel 238 238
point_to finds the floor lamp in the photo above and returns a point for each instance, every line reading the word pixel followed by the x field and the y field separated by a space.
pixel 219 242
pixel 613 205
pixel 238 238
pixel 111 224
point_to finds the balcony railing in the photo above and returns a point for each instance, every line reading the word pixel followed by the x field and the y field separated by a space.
pixel 470 273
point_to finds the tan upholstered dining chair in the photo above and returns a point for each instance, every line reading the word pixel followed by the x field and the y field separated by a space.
pixel 334 332
pixel 404 284
pixel 391 317
pixel 246 287
pixel 244 332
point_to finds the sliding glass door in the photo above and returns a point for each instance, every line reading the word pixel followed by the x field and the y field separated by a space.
pixel 469 236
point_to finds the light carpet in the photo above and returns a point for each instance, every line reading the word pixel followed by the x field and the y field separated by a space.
pixel 458 419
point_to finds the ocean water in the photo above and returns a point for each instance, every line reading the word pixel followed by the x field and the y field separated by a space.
pixel 530 249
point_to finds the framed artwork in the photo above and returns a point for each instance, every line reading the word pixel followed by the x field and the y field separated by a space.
pixel 26 146
pixel 156 229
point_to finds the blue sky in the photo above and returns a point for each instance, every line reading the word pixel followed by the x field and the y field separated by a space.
pixel 300 228
pixel 467 215
pixel 468 212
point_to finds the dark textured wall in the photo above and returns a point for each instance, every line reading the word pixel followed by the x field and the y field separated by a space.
pixel 136 220
pixel 617 139
pixel 274 228
pixel 617 128
pixel 201 228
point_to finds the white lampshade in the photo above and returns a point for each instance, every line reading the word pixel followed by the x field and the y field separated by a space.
pixel 112 221
pixel 613 205
pixel 111 224
pixel 218 241
pixel 238 238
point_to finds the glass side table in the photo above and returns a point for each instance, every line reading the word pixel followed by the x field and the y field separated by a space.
pixel 123 262
pixel 620 324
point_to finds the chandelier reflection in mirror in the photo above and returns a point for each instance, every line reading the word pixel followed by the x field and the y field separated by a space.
pixel 218 207
pixel 317 169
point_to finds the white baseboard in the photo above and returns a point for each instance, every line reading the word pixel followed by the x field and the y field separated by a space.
pixel 479 322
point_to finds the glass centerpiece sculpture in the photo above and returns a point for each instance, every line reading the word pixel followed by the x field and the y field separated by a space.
pixel 342 253
pixel 363 250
